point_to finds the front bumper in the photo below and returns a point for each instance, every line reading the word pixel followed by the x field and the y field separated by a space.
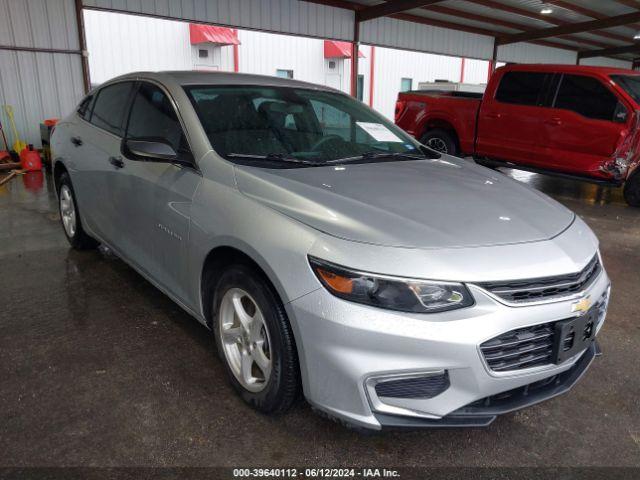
pixel 484 411
pixel 343 345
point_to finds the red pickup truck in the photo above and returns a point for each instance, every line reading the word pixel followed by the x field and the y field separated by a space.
pixel 568 120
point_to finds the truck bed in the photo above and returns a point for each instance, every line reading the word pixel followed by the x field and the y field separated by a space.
pixel 422 110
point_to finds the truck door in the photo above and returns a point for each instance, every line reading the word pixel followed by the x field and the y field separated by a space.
pixel 584 126
pixel 510 117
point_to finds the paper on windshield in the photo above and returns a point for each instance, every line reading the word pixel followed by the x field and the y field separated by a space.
pixel 379 132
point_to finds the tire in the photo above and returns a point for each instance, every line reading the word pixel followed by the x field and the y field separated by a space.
pixel 632 190
pixel 69 213
pixel 277 392
pixel 441 141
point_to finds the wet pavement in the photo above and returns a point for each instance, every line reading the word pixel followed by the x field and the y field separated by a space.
pixel 98 368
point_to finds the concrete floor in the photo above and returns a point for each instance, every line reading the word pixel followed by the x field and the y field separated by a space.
pixel 98 368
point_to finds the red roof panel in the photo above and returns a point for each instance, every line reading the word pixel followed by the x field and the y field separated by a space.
pixel 211 34
pixel 336 49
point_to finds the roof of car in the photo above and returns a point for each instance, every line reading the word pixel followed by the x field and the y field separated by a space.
pixel 570 69
pixel 188 77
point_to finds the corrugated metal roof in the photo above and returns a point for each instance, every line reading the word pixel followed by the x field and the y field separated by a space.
pixel 310 18
pixel 502 16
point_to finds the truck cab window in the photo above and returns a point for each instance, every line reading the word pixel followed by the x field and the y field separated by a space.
pixel 589 98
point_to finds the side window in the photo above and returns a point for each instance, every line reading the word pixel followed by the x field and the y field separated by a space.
pixel 153 118
pixel 522 88
pixel 588 97
pixel 84 109
pixel 110 107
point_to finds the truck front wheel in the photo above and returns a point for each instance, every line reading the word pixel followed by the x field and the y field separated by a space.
pixel 632 190
pixel 441 141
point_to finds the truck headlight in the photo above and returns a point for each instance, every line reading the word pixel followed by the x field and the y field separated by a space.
pixel 393 293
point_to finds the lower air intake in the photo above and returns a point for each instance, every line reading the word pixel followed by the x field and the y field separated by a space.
pixel 415 387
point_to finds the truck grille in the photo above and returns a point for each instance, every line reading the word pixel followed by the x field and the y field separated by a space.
pixel 529 346
pixel 545 288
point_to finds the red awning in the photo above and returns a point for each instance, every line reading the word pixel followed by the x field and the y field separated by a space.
pixel 335 49
pixel 211 34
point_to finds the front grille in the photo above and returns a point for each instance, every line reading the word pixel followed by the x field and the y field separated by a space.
pixel 545 288
pixel 522 348
pixel 416 387
pixel 530 346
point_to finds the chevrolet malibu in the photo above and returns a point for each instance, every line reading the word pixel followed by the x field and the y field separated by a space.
pixel 329 252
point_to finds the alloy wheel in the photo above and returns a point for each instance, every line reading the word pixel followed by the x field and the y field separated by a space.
pixel 245 339
pixel 437 144
pixel 67 211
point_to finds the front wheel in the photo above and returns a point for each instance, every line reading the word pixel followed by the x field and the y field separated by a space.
pixel 69 216
pixel 441 141
pixel 632 190
pixel 254 340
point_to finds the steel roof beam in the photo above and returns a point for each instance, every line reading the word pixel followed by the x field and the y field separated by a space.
pixel 630 3
pixel 587 12
pixel 605 52
pixel 507 24
pixel 571 28
pixel 538 16
pixel 389 8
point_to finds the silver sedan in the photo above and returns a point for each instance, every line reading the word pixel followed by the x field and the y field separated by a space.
pixel 331 253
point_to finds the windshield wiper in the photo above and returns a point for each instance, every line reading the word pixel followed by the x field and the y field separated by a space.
pixel 276 157
pixel 376 155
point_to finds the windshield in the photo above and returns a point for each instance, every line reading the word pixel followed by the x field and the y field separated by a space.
pixel 630 84
pixel 295 126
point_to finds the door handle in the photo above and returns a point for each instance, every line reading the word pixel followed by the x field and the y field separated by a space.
pixel 553 122
pixel 116 162
pixel 493 115
pixel 77 141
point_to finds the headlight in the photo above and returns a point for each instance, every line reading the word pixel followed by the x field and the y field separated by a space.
pixel 393 293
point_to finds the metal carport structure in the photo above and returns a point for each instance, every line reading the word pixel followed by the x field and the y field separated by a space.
pixel 43 68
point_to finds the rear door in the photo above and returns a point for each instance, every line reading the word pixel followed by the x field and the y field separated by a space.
pixel 97 143
pixel 508 122
pixel 584 126
pixel 156 196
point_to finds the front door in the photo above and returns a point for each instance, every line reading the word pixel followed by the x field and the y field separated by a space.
pixel 508 124
pixel 157 203
pixel 584 126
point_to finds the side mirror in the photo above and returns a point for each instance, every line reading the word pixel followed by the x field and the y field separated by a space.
pixel 149 150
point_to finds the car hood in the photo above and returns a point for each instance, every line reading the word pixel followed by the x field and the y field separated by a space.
pixel 442 203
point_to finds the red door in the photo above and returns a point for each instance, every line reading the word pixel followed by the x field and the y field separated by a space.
pixel 583 128
pixel 510 117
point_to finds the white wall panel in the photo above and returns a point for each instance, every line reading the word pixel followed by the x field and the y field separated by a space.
pixel 605 62
pixel 531 53
pixel 280 16
pixel 390 32
pixel 119 44
pixel 476 71
pixel 392 65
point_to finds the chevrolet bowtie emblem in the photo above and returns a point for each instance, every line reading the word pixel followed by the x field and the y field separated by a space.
pixel 581 305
